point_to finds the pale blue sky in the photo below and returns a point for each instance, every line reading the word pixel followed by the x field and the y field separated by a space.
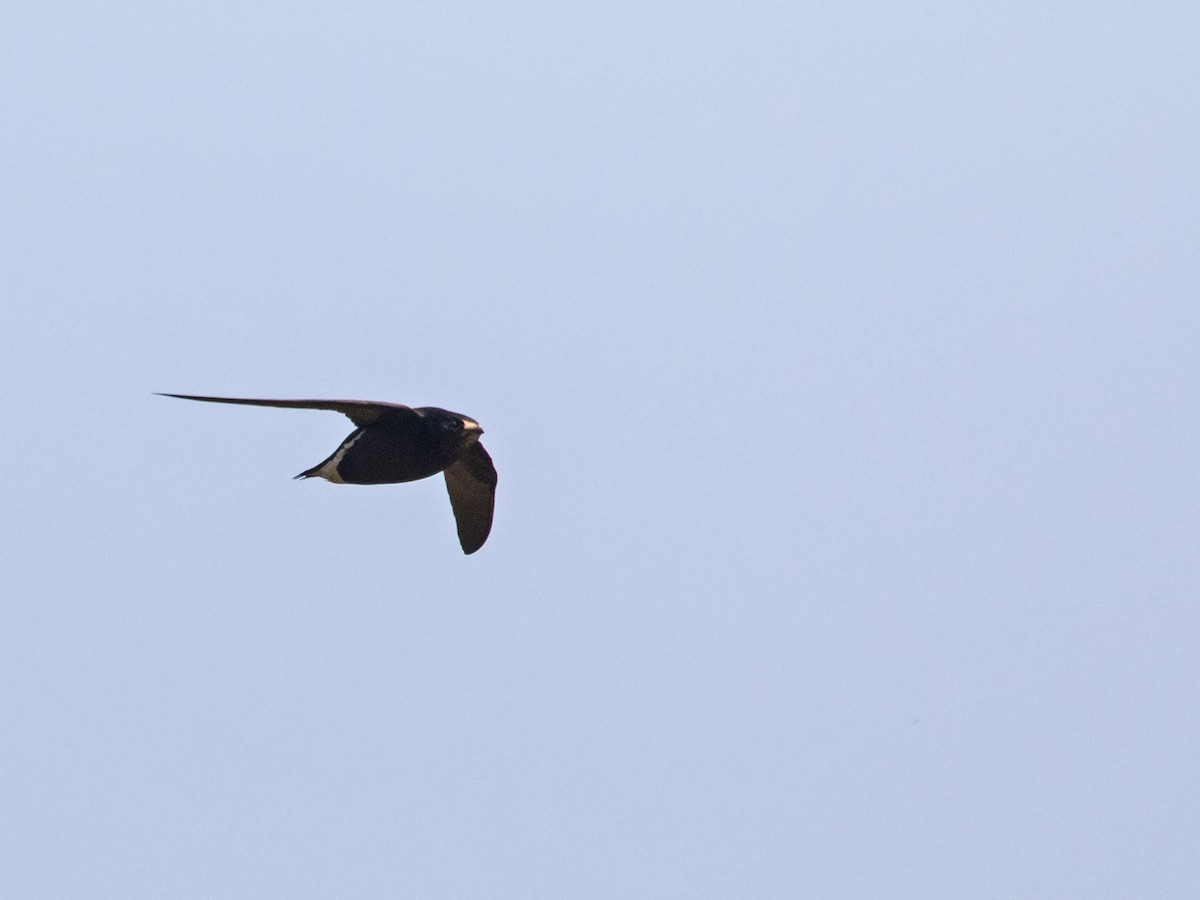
pixel 839 364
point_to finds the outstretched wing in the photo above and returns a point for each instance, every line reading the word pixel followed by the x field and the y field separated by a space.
pixel 360 412
pixel 471 483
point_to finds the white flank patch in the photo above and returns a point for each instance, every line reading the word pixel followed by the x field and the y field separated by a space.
pixel 328 471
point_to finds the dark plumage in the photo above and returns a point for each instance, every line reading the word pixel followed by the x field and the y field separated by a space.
pixel 394 443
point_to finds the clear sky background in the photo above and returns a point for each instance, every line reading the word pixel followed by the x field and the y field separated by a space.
pixel 840 365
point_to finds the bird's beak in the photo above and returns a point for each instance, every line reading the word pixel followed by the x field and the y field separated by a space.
pixel 472 427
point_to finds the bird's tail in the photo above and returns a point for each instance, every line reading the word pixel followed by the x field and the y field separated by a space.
pixel 320 470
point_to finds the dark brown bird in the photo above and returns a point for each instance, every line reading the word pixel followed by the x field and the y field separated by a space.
pixel 393 443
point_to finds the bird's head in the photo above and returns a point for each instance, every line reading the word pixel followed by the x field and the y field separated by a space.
pixel 451 426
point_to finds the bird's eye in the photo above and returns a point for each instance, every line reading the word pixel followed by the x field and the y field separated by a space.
pixel 450 424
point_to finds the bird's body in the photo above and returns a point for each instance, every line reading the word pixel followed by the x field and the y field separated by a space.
pixel 394 443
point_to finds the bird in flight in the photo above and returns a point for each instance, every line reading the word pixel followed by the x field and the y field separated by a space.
pixel 393 443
